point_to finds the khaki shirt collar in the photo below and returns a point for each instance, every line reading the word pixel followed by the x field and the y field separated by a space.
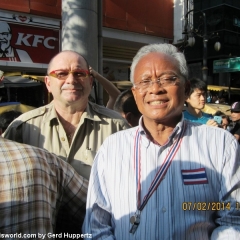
pixel 89 113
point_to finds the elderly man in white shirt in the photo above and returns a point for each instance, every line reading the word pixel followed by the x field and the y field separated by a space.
pixel 167 178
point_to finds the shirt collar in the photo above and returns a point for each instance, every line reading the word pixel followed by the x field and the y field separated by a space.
pixel 176 131
pixel 89 113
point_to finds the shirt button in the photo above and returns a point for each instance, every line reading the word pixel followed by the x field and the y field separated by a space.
pixel 62 138
pixel 164 209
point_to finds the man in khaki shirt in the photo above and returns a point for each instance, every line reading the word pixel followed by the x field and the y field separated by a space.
pixel 70 126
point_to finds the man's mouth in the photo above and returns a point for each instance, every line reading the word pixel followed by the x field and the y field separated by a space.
pixel 73 89
pixel 157 102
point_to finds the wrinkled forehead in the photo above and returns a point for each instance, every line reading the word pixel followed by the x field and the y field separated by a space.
pixel 68 61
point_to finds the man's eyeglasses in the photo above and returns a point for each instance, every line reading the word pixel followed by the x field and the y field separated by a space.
pixel 63 74
pixel 164 81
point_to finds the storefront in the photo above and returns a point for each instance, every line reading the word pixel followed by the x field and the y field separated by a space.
pixel 27 43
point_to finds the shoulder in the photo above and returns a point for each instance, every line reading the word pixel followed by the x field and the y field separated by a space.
pixel 34 157
pixel 33 114
pixel 106 113
pixel 187 115
pixel 204 134
pixel 236 129
pixel 211 143
pixel 102 110
pixel 207 115
pixel 44 167
pixel 121 138
pixel 22 151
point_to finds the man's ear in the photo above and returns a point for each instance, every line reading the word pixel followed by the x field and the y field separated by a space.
pixel 47 82
pixel 91 80
pixel 133 92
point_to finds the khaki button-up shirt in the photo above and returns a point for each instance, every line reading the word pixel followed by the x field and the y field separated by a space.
pixel 42 128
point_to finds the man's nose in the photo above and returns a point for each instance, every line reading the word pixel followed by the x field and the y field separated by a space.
pixel 71 78
pixel 202 97
pixel 155 87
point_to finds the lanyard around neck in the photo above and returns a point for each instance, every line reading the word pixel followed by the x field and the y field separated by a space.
pixel 161 172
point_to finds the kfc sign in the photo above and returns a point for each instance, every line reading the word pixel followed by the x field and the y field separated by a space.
pixel 27 43
pixel 35 40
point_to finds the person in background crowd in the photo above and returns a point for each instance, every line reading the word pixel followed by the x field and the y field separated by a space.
pixel 170 172
pixel 222 97
pixel 195 103
pixel 109 87
pixel 215 99
pixel 225 120
pixel 209 97
pixel 127 107
pixel 33 188
pixel 235 116
pixel 6 118
pixel 70 126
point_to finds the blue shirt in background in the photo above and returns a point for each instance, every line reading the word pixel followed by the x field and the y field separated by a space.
pixel 203 120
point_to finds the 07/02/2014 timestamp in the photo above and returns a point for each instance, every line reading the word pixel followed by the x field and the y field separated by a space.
pixel 208 206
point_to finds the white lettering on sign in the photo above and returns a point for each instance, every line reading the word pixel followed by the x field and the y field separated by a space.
pixel 37 39
pixel 46 42
pixel 23 39
pixel 27 40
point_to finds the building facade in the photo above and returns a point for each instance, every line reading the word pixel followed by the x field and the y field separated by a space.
pixel 222 22
pixel 34 30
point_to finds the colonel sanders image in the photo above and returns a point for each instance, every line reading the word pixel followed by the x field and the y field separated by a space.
pixel 7 52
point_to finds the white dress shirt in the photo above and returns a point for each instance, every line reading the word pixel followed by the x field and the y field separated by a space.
pixel 186 204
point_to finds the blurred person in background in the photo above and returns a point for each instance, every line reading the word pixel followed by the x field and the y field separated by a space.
pixel 195 103
pixel 225 120
pixel 127 107
pixel 6 118
pixel 34 187
pixel 235 117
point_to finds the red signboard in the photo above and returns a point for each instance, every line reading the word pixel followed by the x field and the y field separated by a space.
pixel 26 43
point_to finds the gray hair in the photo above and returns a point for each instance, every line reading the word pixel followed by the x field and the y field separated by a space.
pixel 165 48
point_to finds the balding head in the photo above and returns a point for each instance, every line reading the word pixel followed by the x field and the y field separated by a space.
pixel 67 53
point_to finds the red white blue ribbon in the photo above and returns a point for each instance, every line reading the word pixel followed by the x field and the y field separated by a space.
pixel 161 172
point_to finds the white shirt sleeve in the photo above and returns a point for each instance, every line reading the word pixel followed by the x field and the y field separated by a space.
pixel 98 217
